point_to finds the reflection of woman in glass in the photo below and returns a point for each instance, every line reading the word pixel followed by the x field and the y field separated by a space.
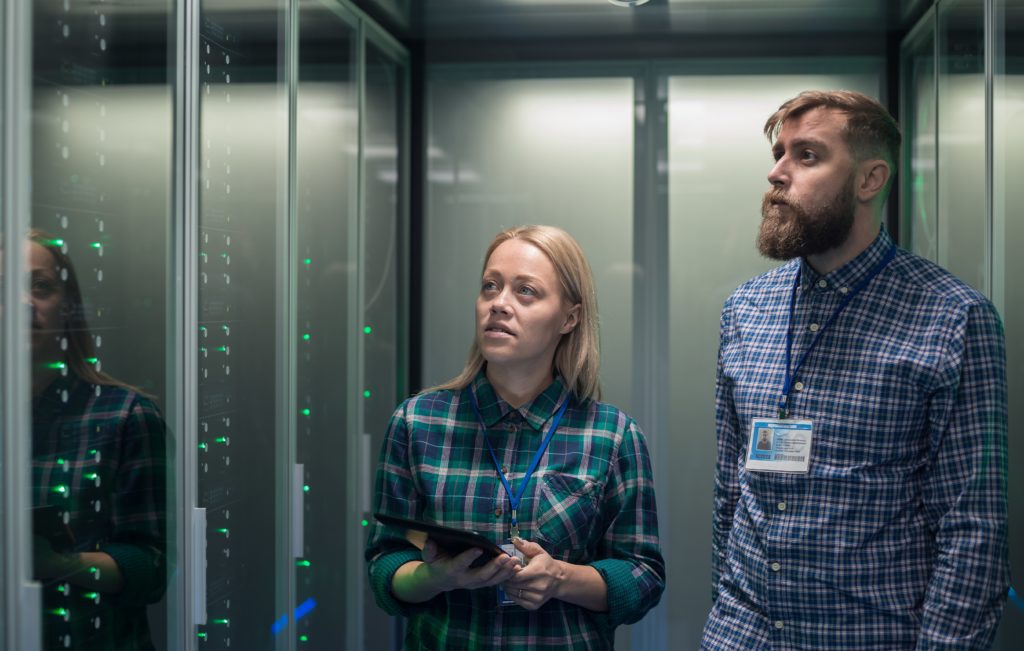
pixel 587 523
pixel 98 469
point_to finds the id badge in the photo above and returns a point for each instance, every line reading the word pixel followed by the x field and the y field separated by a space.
pixel 780 445
pixel 510 549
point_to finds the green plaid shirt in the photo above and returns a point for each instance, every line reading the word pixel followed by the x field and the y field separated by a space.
pixel 590 502
pixel 98 456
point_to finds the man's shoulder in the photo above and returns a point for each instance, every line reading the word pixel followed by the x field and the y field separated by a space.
pixel 929 282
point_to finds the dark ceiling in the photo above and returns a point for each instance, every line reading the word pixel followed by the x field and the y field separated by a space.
pixel 450 19
pixel 495 29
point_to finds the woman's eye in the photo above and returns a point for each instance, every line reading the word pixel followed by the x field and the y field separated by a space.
pixel 488 285
pixel 527 290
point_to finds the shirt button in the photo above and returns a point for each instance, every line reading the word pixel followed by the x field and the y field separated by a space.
pixel 776 567
pixel 497 513
pixel 799 386
pixel 814 327
pixel 511 427
pixel 781 506
pixel 822 283
pixel 779 624
pixel 844 290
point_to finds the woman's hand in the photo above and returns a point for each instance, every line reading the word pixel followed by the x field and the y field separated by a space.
pixel 545 578
pixel 420 581
pixel 455 573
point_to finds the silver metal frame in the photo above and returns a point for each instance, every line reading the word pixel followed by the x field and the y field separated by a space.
pixel 191 586
pixel 990 57
pixel 22 597
pixel 927 22
pixel 288 548
pixel 651 297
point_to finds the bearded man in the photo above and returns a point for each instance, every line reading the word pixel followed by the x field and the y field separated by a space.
pixel 877 520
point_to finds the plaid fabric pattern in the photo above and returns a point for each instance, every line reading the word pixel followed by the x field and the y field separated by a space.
pixel 590 501
pixel 98 455
pixel 896 538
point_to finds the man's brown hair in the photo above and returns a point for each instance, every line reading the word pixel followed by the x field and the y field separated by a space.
pixel 870 131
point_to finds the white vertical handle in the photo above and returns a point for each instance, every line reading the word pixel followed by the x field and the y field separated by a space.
pixel 199 566
pixel 298 521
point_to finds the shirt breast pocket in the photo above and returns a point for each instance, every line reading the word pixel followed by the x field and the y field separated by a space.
pixel 569 510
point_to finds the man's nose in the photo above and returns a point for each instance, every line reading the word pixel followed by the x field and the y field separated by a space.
pixel 778 175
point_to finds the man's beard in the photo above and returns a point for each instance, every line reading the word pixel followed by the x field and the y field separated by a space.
pixel 804 231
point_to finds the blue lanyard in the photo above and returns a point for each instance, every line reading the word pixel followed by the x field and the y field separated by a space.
pixel 515 499
pixel 787 385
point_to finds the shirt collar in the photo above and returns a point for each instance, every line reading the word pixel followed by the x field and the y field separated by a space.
pixel 848 276
pixel 537 412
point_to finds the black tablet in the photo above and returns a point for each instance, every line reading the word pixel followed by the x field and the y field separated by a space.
pixel 451 541
pixel 48 522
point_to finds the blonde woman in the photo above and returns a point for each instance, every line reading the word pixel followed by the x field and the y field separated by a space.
pixel 519 448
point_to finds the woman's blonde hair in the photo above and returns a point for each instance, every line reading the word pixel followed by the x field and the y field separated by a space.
pixel 578 355
pixel 81 352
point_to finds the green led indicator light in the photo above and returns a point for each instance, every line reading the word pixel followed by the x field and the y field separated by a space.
pixel 60 588
pixel 202 446
pixel 307 261
pixel 92 360
pixel 367 329
pixel 221 439
pixel 59 612
pixel 303 563
pixel 201 635
pixel 202 328
pixel 56 365
pixel 306 412
pixel 366 393
pixel 220 621
pixel 91 475
pixel 305 337
pixel 303 638
pixel 95 245
pixel 224 328
pixel 93 570
pixel 222 349
pixel 61 461
pixel 57 242
pixel 305 488
pixel 224 531
pixel 60 488
pixel 90 595
pixel 364 522
pixel 94 452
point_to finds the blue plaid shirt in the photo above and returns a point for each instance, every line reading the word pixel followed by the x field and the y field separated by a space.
pixel 896 538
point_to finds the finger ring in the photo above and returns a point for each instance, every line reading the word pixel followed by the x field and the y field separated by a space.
pixel 520 593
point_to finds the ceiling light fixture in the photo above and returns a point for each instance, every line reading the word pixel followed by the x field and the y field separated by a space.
pixel 628 3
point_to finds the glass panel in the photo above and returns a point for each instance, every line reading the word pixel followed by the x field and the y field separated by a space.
pixel 383 381
pixel 243 189
pixel 101 288
pixel 1008 294
pixel 962 220
pixel 917 179
pixel 327 139
pixel 718 163
pixel 506 152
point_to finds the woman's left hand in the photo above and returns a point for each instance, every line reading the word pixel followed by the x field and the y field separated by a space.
pixel 540 578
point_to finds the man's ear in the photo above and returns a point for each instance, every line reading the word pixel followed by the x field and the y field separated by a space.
pixel 572 319
pixel 872 177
